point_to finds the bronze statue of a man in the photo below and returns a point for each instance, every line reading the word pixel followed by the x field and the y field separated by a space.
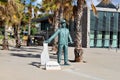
pixel 63 36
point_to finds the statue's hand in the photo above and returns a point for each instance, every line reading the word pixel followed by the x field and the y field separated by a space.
pixel 46 41
pixel 71 42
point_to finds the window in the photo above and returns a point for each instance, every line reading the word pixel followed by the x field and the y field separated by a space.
pixel 111 23
pixel 96 23
pixel 104 23
pixel 119 22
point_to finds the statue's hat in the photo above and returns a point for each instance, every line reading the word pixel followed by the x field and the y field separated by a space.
pixel 62 21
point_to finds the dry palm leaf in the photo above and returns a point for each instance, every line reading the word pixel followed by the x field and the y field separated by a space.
pixel 106 1
pixel 94 9
pixel 58 4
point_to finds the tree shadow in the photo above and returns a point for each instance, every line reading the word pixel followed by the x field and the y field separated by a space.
pixel 29 55
pixel 36 64
pixel 35 48
pixel 72 61
pixel 53 57
pixel 27 49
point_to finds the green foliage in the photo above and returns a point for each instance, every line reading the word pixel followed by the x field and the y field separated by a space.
pixel 33 30
pixel 1 30
pixel 3 0
pixel 1 37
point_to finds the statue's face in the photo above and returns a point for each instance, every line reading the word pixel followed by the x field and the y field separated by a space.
pixel 63 25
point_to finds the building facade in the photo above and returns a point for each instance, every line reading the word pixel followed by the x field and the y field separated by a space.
pixel 102 30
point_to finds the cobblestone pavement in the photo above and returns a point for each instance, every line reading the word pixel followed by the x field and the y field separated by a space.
pixel 24 64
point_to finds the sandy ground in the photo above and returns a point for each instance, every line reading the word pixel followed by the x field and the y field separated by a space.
pixel 24 64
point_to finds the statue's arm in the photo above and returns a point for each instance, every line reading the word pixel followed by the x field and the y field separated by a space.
pixel 53 36
pixel 70 38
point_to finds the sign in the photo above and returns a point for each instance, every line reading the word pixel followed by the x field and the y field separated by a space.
pixel 52 65
pixel 45 55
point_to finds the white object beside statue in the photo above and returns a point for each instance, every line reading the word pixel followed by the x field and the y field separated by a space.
pixel 52 65
pixel 44 55
pixel 45 60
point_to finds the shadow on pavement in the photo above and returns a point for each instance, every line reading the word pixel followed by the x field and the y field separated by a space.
pixel 27 49
pixel 36 64
pixel 29 55
pixel 71 60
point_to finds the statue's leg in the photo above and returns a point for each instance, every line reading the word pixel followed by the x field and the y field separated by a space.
pixel 66 55
pixel 60 47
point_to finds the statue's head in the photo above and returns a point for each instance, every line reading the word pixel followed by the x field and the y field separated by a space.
pixel 63 22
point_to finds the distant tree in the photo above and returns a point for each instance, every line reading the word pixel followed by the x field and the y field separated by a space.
pixel 9 15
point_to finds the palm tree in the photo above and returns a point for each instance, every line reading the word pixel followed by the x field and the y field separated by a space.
pixel 11 15
pixel 60 9
pixel 36 9
pixel 2 16
pixel 8 10
pixel 63 7
pixel 17 22
pixel 30 6
pixel 52 6
pixel 78 30
pixel 25 18
pixel 78 51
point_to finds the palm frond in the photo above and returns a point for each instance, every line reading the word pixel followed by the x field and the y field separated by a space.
pixel 106 1
pixel 94 9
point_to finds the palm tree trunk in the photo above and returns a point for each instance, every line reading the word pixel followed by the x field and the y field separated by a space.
pixel 29 27
pixel 58 16
pixel 29 33
pixel 55 24
pixel 17 37
pixel 5 40
pixel 61 12
pixel 78 51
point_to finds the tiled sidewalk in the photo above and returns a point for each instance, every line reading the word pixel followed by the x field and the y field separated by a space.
pixel 23 64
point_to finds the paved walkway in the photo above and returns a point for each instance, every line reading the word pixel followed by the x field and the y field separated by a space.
pixel 23 64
